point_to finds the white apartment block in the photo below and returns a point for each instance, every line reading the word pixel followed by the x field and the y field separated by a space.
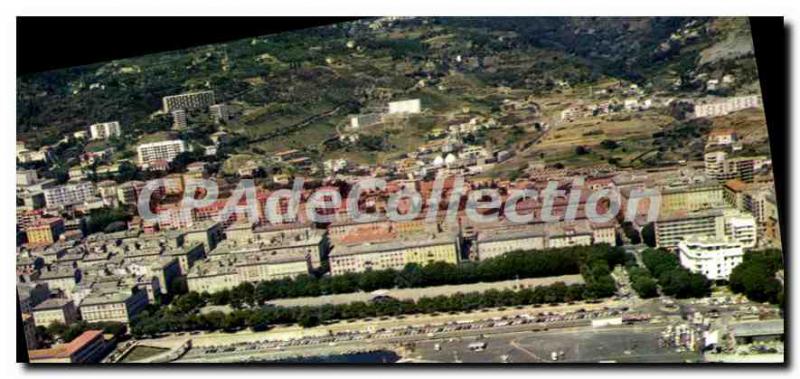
pixel 405 106
pixel 742 229
pixel 27 178
pixel 188 101
pixel 713 258
pixel 726 106
pixel 104 130
pixel 164 150
pixel 28 156
pixel 69 194
pixel 219 112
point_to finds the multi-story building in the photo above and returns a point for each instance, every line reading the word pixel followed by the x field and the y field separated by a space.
pixel 105 130
pixel 187 255
pixel 405 106
pixel 55 310
pixel 209 233
pixel 568 234
pixel 165 270
pixel 188 101
pixel 295 240
pixel 393 254
pixel 89 347
pixel 212 275
pixel 219 112
pixel 29 329
pixel 119 306
pixel 31 294
pixel 713 258
pixel 107 189
pixel 160 151
pixel 742 229
pixel 673 228
pixel 604 233
pixel 44 154
pixel 59 278
pixel 720 165
pixel 26 178
pixel 722 137
pixel 496 243
pixel 179 119
pixel 45 231
pixel 691 197
pixel 717 223
pixel 128 192
pixel 276 264
pixel 68 194
pixel 733 193
pixel 754 201
pixel 753 198
pixel 772 227
pixel 726 106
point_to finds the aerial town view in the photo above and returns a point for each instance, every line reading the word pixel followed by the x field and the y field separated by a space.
pixel 504 190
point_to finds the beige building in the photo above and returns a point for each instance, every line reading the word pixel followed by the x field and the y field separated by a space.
pixel 501 238
pixel 393 254
pixel 691 197
pixel 496 243
pixel 118 306
pixel 186 255
pixel 273 265
pixel 248 255
pixel 55 310
pixel 60 278
pixel 212 275
pixel 209 233
pixel 294 239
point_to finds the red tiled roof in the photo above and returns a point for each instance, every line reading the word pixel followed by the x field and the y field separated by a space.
pixel 736 185
pixel 66 350
pixel 48 221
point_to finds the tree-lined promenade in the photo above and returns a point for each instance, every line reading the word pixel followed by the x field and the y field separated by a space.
pixel 514 265
pixel 247 300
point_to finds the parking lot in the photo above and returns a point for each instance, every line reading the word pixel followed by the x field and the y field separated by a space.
pixel 630 344
pixel 387 337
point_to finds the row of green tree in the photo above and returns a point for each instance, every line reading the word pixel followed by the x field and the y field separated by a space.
pixel 674 279
pixel 596 265
pixel 642 282
pixel 591 261
pixel 755 276
pixel 179 317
